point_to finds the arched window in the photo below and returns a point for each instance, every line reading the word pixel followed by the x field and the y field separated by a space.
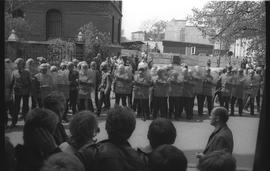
pixel 53 24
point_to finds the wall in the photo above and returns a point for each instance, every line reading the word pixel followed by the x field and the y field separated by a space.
pixel 172 31
pixel 74 15
pixel 194 35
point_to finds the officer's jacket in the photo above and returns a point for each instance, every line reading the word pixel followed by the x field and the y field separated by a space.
pixel 208 85
pixel 141 86
pixel 239 86
pixel 226 81
pixel 161 88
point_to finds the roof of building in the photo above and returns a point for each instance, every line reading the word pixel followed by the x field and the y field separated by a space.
pixel 166 42
pixel 138 32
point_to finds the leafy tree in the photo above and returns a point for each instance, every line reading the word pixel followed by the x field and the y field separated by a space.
pixel 94 41
pixel 231 20
pixel 154 30
pixel 60 50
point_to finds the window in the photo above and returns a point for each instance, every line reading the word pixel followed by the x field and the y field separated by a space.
pixel 53 24
pixel 18 13
pixel 193 50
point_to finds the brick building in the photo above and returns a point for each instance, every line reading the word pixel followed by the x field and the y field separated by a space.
pixel 51 19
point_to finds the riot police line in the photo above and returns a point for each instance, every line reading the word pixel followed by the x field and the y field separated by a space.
pixel 164 91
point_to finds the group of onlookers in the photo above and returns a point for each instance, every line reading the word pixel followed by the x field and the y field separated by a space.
pixel 47 147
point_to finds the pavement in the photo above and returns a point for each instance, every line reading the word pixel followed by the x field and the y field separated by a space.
pixel 192 136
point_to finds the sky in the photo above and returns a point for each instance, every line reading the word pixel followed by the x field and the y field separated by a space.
pixel 135 12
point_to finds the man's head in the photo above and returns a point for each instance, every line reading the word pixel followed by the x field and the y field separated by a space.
pixel 64 162
pixel 217 160
pixel 56 102
pixel 161 131
pixel 120 123
pixel 43 68
pixel 83 127
pixel 20 63
pixel 219 115
pixel 38 118
pixel 70 66
pixel 167 157
pixel 93 65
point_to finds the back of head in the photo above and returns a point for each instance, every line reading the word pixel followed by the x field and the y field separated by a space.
pixel 161 131
pixel 120 123
pixel 167 157
pixel 63 162
pixel 83 128
pixel 55 101
pixel 222 113
pixel 38 118
pixel 217 160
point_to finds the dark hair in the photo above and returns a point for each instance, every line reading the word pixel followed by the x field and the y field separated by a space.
pixel 38 118
pixel 9 159
pixel 217 160
pixel 161 131
pixel 120 123
pixel 82 127
pixel 167 157
pixel 222 113
pixel 53 101
pixel 64 162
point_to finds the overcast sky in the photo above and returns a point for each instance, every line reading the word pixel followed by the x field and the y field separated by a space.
pixel 135 12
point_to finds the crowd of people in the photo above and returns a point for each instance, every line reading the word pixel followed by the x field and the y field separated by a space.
pixel 151 91
pixel 46 146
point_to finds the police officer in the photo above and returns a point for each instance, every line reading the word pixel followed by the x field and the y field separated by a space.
pixel 226 87
pixel 73 78
pixel 160 94
pixel 207 93
pixel 238 91
pixel 21 83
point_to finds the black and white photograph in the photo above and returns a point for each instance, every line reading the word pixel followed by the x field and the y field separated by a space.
pixel 135 85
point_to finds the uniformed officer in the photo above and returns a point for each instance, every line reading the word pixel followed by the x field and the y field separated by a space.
pixel 207 93
pixel 238 91
pixel 142 83
pixel 226 82
pixel 21 84
pixel 160 94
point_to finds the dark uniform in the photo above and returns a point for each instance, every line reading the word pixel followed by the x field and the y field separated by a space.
pixel 226 89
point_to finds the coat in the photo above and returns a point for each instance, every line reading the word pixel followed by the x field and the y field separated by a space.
pixel 21 82
pixel 141 91
pixel 226 81
pixel 109 156
pixel 220 139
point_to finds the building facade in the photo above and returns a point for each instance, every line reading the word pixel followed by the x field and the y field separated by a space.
pixel 62 18
pixel 138 36
pixel 183 39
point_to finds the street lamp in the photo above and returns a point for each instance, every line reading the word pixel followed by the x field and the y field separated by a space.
pixel 13 37
pixel 80 37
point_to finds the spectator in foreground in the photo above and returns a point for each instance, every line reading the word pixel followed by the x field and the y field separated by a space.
pixel 63 162
pixel 114 154
pixel 217 160
pixel 83 128
pixel 167 157
pixel 161 131
pixel 9 159
pixel 38 140
pixel 221 138
pixel 56 102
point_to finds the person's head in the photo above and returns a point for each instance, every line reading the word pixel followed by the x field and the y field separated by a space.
pixel 93 65
pixel 75 62
pixel 29 64
pixel 167 157
pixel 219 116
pixel 84 67
pixel 121 69
pixel 56 102
pixel 99 55
pixel 70 66
pixel 43 68
pixel 53 69
pixel 251 72
pixel 20 63
pixel 161 73
pixel 217 160
pixel 38 118
pixel 9 159
pixel 120 123
pixel 63 65
pixel 161 131
pixel 141 71
pixel 103 67
pixel 259 70
pixel 62 162
pixel 83 128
